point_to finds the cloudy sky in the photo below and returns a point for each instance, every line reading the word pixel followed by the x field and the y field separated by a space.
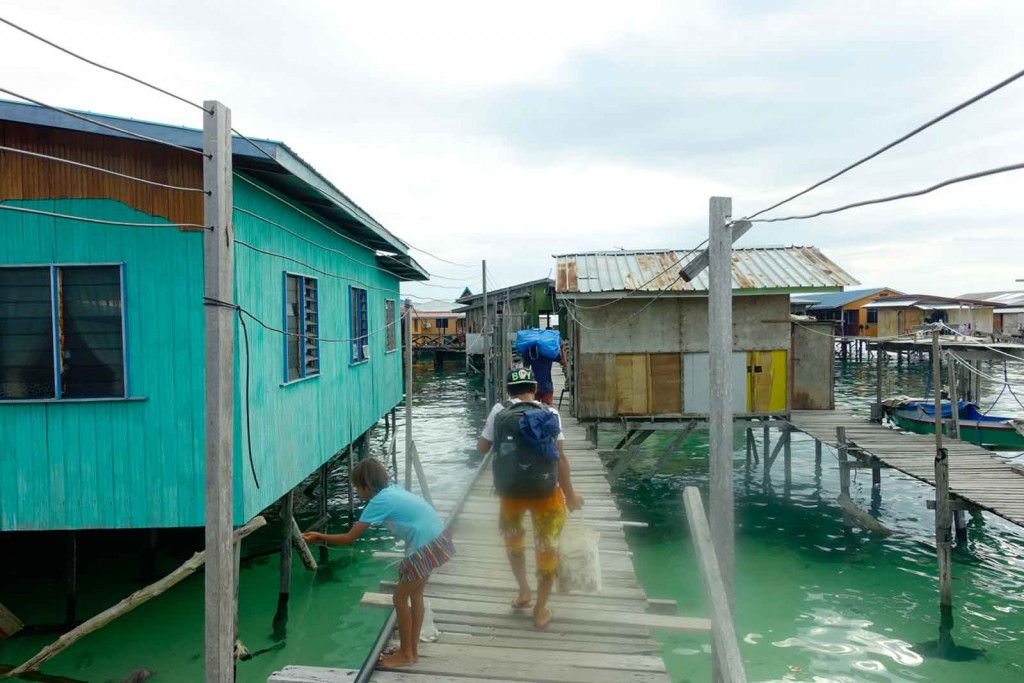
pixel 513 131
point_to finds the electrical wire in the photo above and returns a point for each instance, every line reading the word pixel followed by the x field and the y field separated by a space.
pixel 963 105
pixel 210 301
pixel 102 66
pixel 640 287
pixel 622 321
pixel 975 342
pixel 315 269
pixel 248 375
pixel 99 169
pixel 893 198
pixel 82 219
pixel 82 117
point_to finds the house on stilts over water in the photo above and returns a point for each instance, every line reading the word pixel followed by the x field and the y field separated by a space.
pixel 639 334
pixel 101 324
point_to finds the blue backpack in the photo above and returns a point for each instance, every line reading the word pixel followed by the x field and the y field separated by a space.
pixel 535 343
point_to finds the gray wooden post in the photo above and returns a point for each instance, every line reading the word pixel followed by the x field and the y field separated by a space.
pixel 720 418
pixel 954 397
pixel 876 410
pixel 351 488
pixel 324 476
pixel 817 453
pixel 943 531
pixel 484 324
pixel 767 440
pixel 219 329
pixel 408 397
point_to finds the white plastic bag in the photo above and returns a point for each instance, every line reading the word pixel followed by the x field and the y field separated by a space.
pixel 579 561
pixel 429 632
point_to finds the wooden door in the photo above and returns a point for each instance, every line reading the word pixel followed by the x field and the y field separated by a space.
pixel 767 373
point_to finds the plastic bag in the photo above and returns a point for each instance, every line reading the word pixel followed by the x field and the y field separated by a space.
pixel 579 560
pixel 429 632
pixel 548 343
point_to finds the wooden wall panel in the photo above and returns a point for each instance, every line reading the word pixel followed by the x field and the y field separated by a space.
pixel 631 386
pixel 596 396
pixel 25 177
pixel 666 383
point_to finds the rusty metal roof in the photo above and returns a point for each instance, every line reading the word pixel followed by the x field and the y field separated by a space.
pixel 787 268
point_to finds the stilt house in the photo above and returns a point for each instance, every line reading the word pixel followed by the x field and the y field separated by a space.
pixel 901 315
pixel 101 323
pixel 639 334
pixel 848 310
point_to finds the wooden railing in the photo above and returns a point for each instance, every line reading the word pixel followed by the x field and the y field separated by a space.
pixel 438 341
pixel 725 648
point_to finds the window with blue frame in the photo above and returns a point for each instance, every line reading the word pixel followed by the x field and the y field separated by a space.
pixel 359 327
pixel 62 332
pixel 302 323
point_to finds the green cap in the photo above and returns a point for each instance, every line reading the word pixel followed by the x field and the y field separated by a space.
pixel 520 376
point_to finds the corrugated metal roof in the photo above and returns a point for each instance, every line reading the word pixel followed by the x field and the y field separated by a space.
pixel 839 299
pixel 655 271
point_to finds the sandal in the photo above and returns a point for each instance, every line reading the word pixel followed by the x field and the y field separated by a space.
pixel 544 626
pixel 519 603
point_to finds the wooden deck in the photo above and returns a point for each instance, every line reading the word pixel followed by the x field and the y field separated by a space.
pixel 602 638
pixel 976 476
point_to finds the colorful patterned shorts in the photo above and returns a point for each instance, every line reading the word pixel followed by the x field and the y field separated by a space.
pixel 426 559
pixel 548 516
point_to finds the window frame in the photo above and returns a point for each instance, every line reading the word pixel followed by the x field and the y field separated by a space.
pixel 391 336
pixel 872 312
pixel 301 315
pixel 359 324
pixel 56 336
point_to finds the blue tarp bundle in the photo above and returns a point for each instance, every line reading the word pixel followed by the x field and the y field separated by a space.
pixel 540 428
pixel 546 343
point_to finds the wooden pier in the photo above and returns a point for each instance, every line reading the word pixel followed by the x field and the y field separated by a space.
pixel 593 638
pixel 978 478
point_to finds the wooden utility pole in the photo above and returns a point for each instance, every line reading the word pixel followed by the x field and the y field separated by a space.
pixel 720 418
pixel 485 334
pixel 219 328
pixel 408 396
pixel 943 530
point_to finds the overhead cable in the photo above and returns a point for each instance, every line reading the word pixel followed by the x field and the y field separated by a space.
pixel 210 301
pixel 87 119
pixel 83 219
pixel 896 197
pixel 963 105
pixel 102 66
pixel 99 169
pixel 621 321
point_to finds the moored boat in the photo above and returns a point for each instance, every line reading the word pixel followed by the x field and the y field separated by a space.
pixel 918 416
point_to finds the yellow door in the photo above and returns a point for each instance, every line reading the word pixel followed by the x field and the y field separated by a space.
pixel 766 381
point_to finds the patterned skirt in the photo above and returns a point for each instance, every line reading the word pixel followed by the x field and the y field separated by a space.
pixel 421 562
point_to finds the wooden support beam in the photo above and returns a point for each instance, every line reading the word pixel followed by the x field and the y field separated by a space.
pixel 300 545
pixel 957 505
pixel 131 602
pixel 725 646
pixel 674 446
pixel 844 471
pixel 860 517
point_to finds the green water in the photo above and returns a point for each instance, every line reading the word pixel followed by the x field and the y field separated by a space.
pixel 815 602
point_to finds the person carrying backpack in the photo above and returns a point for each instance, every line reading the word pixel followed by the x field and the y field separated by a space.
pixel 531 474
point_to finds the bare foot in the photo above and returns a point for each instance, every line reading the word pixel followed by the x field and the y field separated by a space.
pixel 541 617
pixel 523 601
pixel 397 659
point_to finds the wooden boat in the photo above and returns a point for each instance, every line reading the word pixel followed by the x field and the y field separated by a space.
pixel 918 415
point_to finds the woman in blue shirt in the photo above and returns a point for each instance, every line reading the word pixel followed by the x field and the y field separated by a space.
pixel 428 545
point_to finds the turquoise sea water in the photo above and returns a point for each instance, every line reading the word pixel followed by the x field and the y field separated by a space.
pixel 814 602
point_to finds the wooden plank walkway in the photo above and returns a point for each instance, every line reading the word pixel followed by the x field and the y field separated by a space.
pixel 602 638
pixel 975 474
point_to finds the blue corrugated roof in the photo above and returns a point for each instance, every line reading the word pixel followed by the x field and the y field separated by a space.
pixel 837 299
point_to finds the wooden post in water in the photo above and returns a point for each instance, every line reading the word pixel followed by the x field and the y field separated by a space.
pixel 876 409
pixel 954 401
pixel 285 579
pixel 721 413
pixel 817 453
pixel 351 487
pixel 324 478
pixel 219 328
pixel 71 580
pixel 943 540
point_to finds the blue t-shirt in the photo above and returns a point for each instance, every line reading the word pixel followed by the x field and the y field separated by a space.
pixel 541 372
pixel 407 515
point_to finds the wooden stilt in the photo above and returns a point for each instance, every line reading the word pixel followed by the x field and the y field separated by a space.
pixel 351 489
pixel 817 453
pixel 787 455
pixel 324 511
pixel 9 623
pixel 750 446
pixel 148 572
pixel 285 579
pixel 767 439
pixel 71 579
pixel 943 516
pixel 960 524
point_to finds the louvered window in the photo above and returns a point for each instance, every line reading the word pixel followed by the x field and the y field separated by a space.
pixel 360 333
pixel 302 322
pixel 391 333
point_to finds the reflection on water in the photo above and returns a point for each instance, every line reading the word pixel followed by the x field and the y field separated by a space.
pixel 817 601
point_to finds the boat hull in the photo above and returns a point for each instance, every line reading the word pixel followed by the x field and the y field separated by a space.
pixel 1002 435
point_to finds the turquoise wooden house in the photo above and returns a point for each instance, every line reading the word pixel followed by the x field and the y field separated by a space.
pixel 101 324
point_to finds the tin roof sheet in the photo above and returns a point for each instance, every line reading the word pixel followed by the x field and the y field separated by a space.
pixel 792 268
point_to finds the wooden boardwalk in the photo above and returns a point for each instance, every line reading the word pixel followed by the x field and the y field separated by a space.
pixel 602 638
pixel 976 476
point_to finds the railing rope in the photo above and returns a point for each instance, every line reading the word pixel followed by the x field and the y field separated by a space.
pixel 730 664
